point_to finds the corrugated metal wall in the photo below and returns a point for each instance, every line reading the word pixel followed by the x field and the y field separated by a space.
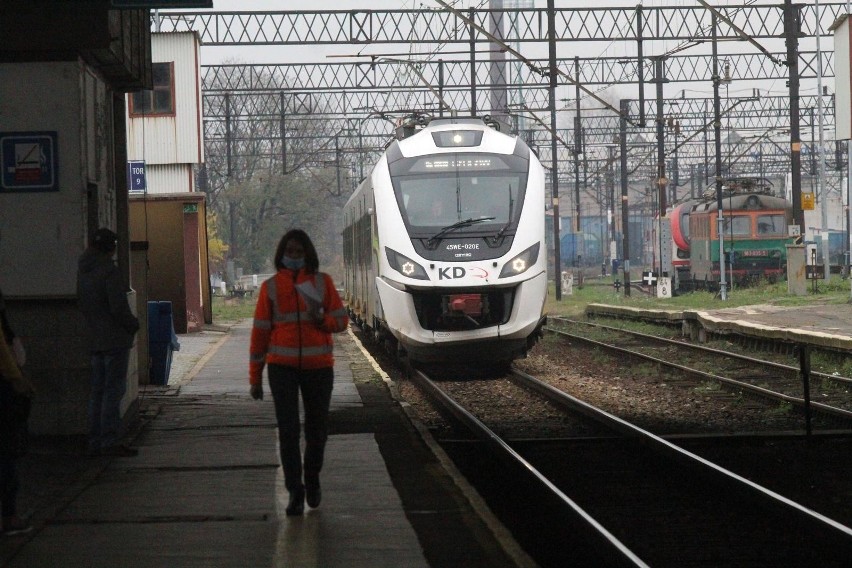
pixel 177 139
pixel 169 178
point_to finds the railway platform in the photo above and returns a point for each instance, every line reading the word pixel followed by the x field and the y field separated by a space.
pixel 206 489
pixel 816 325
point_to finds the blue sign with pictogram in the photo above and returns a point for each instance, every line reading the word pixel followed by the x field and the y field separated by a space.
pixel 29 161
pixel 136 176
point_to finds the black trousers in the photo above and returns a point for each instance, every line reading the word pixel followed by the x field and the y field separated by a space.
pixel 8 486
pixel 315 386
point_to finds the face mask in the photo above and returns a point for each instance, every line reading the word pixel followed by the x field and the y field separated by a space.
pixel 292 263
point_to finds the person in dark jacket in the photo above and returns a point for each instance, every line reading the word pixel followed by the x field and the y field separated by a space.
pixel 111 327
pixel 11 339
pixel 13 385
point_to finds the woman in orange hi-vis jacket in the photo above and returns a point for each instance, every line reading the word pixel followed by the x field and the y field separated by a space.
pixel 297 311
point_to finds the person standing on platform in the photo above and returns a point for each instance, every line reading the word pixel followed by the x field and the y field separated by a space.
pixel 16 393
pixel 11 339
pixel 111 327
pixel 297 311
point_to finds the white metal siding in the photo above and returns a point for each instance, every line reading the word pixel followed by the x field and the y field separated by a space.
pixel 168 178
pixel 177 139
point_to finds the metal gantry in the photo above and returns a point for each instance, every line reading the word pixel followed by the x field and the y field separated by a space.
pixel 438 26
pixel 271 107
pixel 381 74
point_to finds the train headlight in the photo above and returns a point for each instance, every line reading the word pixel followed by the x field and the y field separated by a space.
pixel 521 262
pixel 457 138
pixel 405 265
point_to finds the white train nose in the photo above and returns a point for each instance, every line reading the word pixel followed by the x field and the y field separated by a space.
pixel 442 241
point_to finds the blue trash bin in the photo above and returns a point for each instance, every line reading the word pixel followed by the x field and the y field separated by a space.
pixel 162 341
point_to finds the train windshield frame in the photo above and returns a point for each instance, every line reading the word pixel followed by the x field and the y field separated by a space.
pixel 737 226
pixel 439 190
pixel 772 225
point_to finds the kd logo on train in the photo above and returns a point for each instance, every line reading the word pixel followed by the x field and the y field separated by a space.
pixel 450 273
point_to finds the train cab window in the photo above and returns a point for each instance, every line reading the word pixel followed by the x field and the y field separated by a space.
pixel 684 224
pixel 440 190
pixel 771 225
pixel 427 203
pixel 739 226
pixel 159 100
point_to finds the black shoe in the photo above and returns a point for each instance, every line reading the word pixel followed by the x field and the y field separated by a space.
pixel 296 506
pixel 314 496
pixel 119 451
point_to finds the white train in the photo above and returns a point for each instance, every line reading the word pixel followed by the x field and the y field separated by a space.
pixel 444 247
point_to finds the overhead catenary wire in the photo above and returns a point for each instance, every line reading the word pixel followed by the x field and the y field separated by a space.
pixel 528 62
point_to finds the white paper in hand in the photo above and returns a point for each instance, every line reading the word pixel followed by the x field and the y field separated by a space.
pixel 312 298
pixel 309 292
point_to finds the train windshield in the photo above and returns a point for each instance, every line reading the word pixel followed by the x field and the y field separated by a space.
pixel 438 191
pixel 771 225
pixel 737 226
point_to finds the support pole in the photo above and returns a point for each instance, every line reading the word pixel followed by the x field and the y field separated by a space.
pixel 625 209
pixel 610 193
pixel 659 79
pixel 792 25
pixel 578 143
pixel 717 130
pixel 805 374
pixel 282 126
pixel 472 64
pixel 554 173
pixel 232 218
pixel 640 65
pixel 441 87
pixel 337 161
pixel 847 247
pixel 822 186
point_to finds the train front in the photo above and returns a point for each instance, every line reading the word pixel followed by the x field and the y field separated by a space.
pixel 461 229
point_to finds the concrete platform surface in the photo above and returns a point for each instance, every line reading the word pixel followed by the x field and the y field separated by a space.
pixel 815 324
pixel 206 489
pixel 820 325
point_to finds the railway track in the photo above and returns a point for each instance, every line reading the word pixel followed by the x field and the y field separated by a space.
pixel 827 394
pixel 600 491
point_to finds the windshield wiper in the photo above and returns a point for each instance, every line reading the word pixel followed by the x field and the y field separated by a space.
pixel 509 222
pixel 460 224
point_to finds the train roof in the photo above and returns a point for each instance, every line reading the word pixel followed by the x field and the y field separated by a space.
pixel 428 140
pixel 456 120
pixel 741 184
pixel 416 124
pixel 744 202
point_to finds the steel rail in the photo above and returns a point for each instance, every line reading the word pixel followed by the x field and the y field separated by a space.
pixel 746 358
pixel 658 445
pixel 618 553
pixel 668 449
pixel 798 402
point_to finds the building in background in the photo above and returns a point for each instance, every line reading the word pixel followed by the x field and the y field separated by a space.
pixel 165 144
pixel 64 70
